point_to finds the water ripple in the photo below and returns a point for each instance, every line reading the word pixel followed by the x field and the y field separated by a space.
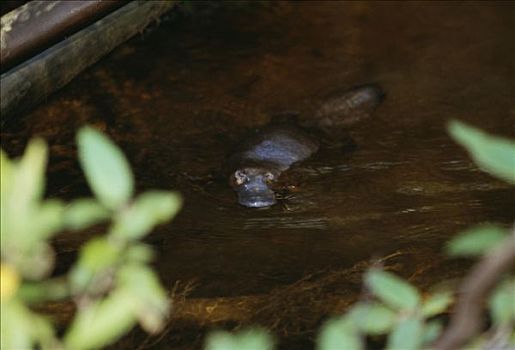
pixel 288 222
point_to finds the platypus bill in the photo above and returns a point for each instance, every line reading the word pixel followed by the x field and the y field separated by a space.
pixel 260 160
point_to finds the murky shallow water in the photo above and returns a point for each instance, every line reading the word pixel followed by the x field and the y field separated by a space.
pixel 178 98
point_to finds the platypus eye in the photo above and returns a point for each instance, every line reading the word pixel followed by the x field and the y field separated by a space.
pixel 240 177
pixel 269 176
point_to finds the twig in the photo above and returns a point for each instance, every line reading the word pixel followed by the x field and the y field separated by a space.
pixel 477 284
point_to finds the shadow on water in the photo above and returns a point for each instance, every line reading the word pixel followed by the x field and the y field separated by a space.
pixel 178 98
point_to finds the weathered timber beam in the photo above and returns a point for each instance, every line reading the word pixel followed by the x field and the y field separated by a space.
pixel 29 83
pixel 37 25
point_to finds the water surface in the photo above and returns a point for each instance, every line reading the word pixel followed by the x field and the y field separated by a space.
pixel 179 97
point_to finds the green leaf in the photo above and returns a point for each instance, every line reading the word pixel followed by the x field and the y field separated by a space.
pixel 82 213
pixel 147 211
pixel 106 168
pixel 253 339
pixel 15 330
pixel 96 257
pixel 101 323
pixel 339 333
pixel 51 289
pixel 372 318
pixel 6 171
pixel 494 154
pixel 37 262
pixel 392 290
pixel 22 328
pixel 48 219
pixel 98 254
pixel 26 222
pixel 476 241
pixel 30 176
pixel 6 183
pixel 22 189
pixel 139 253
pixel 436 304
pixel 432 331
pixel 149 303
pixel 406 335
pixel 478 343
pixel 43 331
pixel 502 303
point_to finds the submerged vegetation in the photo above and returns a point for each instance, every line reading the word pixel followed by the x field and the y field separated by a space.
pixel 114 288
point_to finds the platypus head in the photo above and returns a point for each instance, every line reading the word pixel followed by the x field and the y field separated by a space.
pixel 251 184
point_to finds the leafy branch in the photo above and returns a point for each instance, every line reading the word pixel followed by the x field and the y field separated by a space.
pixel 112 283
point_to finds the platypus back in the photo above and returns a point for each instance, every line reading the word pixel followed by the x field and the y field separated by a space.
pixel 343 110
pixel 262 157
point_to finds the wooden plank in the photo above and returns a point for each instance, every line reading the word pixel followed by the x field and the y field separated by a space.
pixel 29 83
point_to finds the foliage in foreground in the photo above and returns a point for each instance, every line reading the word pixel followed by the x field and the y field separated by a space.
pixel 397 310
pixel 111 283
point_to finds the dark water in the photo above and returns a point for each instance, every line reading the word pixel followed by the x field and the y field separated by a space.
pixel 178 98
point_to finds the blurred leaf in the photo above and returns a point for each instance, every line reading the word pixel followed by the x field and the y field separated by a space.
pixel 502 303
pixel 96 256
pixel 10 281
pixel 339 333
pixel 147 211
pixel 253 339
pixel 101 323
pixel 392 290
pixel 43 332
pixel 22 189
pixel 6 183
pixel 511 339
pixel 150 303
pixel 30 176
pixel 406 335
pixel 476 241
pixel 432 331
pixel 82 213
pixel 478 343
pixel 494 154
pixel 163 204
pixel 436 304
pixel 45 291
pixel 22 328
pixel 139 253
pixel 16 323
pixel 26 222
pixel 32 256
pixel 35 263
pixel 106 168
pixel 6 171
pixel 372 318
pixel 48 219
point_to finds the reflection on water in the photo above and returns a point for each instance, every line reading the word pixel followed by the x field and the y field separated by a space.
pixel 178 98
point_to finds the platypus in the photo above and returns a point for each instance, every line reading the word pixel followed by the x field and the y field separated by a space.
pixel 260 159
